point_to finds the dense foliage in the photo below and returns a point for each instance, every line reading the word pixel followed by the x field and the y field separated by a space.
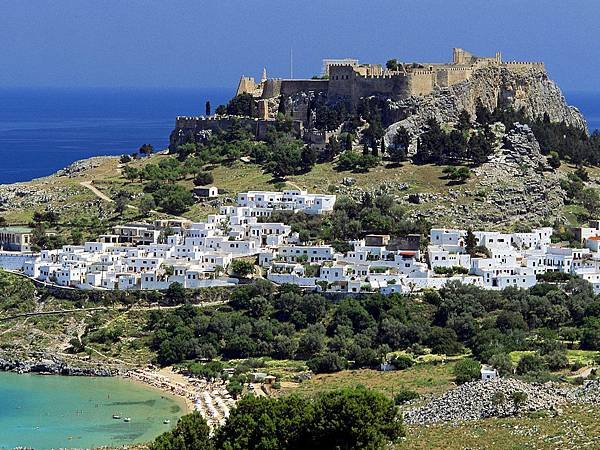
pixel 17 295
pixel 343 419
pixel 191 433
pixel 285 323
pixel 352 219
pixel 281 153
pixel 569 143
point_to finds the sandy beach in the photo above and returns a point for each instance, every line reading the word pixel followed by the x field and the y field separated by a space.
pixel 210 398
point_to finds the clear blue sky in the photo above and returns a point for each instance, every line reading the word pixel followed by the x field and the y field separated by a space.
pixel 191 43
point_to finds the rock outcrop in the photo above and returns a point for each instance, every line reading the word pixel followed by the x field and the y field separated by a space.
pixel 529 89
pixel 48 364
pixel 516 185
pixel 483 399
pixel 496 398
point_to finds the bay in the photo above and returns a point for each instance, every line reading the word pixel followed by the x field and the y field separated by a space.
pixel 50 411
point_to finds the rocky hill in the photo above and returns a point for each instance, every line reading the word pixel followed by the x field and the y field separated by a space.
pixel 529 89
pixel 515 185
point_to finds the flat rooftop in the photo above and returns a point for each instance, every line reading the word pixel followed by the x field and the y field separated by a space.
pixel 17 229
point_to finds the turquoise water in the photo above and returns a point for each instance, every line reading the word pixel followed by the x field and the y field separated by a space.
pixel 76 412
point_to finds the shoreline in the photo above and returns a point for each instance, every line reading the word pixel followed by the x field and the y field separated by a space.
pixel 187 406
pixel 209 398
pixel 47 366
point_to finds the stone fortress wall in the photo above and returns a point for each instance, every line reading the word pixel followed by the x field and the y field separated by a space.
pixel 347 79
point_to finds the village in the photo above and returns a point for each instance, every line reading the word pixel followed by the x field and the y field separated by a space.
pixel 153 256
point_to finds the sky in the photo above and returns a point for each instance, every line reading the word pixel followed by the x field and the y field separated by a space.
pixel 196 43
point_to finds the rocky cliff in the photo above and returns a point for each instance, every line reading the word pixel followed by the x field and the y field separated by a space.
pixel 494 86
pixel 49 364
pixel 515 186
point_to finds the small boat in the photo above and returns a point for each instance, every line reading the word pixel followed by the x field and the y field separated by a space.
pixel 166 421
pixel 116 416
pixel 127 419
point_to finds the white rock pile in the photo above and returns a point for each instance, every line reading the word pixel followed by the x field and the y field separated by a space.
pixel 589 392
pixel 483 399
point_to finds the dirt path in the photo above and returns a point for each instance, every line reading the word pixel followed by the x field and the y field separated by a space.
pixel 293 185
pixel 99 194
pixel 102 196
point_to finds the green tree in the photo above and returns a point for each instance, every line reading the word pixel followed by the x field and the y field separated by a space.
pixel 467 369
pixel 242 105
pixel 519 398
pixel 502 363
pixel 175 294
pixel 556 360
pixel 191 433
pixel 146 150
pixel 130 173
pixel 590 338
pixel 392 64
pixel 204 179
pixel 530 363
pixel 121 202
pixel 242 268
pixel 327 363
pixel 460 174
pixel 147 204
pixel 464 121
pixel 348 141
pixel 479 148
pixel 470 242
pixel 286 156
pixel 405 395
pixel 173 199
pixel 554 160
pixel 399 148
pixel 356 418
pixel 590 200
pixel 309 157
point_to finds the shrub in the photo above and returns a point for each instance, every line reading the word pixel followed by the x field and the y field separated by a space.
pixel 405 395
pixel 327 363
pixel 467 369
pixel 498 398
pixel 556 360
pixel 204 178
pixel 530 363
pixel 502 363
pixel 241 267
pixel 402 362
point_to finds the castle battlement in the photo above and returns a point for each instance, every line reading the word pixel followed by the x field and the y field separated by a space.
pixel 535 64
pixel 457 69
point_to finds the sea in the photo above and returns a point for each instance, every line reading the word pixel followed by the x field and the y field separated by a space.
pixel 44 130
pixel 50 411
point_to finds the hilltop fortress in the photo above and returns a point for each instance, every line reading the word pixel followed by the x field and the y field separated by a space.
pixel 413 93
pixel 349 80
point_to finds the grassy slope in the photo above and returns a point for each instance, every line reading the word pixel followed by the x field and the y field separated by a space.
pixel 237 177
pixel 423 378
pixel 240 176
pixel 577 427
